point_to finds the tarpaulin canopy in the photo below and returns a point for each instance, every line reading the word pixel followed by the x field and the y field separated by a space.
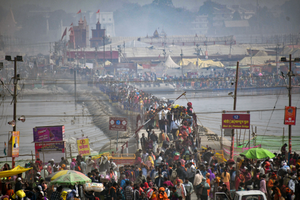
pixel 17 170
pixel 201 63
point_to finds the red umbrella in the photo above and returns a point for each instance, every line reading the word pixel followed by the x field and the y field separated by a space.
pixel 230 161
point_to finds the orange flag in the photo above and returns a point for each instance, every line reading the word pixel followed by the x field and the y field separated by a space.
pixel 79 11
pixel 98 11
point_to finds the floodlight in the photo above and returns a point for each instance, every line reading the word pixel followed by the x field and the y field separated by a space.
pixel 8 58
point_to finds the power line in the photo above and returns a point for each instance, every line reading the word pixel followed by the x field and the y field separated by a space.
pixel 106 115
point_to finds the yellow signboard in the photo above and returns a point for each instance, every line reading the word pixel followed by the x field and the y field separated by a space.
pixel 83 146
pixel 15 143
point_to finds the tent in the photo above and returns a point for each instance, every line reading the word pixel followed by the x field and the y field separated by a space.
pixel 17 170
pixel 201 63
pixel 169 63
pixel 256 60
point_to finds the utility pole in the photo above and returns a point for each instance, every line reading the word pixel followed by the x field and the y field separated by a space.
pixel 290 103
pixel 16 78
pixel 290 74
pixel 234 108
pixel 198 50
pixel 111 54
pixel 181 55
pixel 104 50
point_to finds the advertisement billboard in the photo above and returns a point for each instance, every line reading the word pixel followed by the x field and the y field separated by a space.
pixel 83 146
pixel 48 133
pixel 15 142
pixel 290 115
pixel 235 120
pixel 50 146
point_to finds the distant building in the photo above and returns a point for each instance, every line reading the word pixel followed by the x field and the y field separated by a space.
pixel 81 33
pixel 98 35
pixel 200 25
pixel 220 15
pixel 244 13
pixel 9 25
pixel 107 22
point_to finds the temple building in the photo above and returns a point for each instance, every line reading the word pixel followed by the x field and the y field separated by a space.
pixel 98 35
pixel 81 34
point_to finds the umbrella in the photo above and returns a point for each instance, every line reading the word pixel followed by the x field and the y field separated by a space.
pixel 257 153
pixel 230 161
pixel 17 170
pixel 49 177
pixel 63 172
pixel 71 178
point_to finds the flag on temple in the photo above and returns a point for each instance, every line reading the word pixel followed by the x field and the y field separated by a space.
pixel 64 34
pixel 79 11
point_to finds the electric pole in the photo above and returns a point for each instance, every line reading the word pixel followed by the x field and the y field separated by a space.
pixel 181 55
pixel 234 108
pixel 16 78
pixel 290 74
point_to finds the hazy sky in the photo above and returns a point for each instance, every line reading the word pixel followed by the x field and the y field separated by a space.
pixel 74 5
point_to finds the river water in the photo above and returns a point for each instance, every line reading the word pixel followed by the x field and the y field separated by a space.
pixel 260 103
pixel 48 110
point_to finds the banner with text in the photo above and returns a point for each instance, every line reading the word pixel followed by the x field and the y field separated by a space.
pixel 83 145
pixel 235 120
pixel 290 115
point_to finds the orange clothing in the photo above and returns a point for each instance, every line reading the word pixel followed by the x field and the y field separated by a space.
pixel 10 192
pixel 154 196
pixel 162 196
pixel 208 181
pixel 277 195
pixel 271 183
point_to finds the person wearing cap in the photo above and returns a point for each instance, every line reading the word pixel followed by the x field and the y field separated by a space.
pixel 19 184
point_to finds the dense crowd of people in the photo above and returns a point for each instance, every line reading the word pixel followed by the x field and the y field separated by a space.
pixel 169 164
pixel 218 79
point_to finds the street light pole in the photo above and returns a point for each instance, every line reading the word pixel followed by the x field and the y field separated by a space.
pixel 234 108
pixel 16 78
pixel 290 104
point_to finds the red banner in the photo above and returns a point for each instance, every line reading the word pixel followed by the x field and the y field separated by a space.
pixel 290 115
pixel 235 120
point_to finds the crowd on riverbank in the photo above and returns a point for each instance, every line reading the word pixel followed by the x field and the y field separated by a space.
pixel 218 80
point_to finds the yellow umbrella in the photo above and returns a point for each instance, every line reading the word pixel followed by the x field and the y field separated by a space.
pixel 17 170
pixel 60 173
